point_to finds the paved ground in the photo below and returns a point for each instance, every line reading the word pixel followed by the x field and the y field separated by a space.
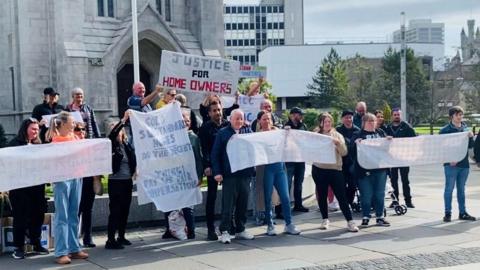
pixel 418 240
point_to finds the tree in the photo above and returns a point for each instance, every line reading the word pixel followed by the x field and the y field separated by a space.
pixel 418 88
pixel 472 97
pixel 329 87
pixel 387 112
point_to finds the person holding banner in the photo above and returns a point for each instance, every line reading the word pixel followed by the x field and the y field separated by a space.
pixel 236 186
pixel 347 128
pixel 371 182
pixel 212 99
pixel 28 204
pixel 167 98
pixel 138 101
pixel 325 175
pixel 188 211
pixel 207 133
pixel 120 184
pixel 456 173
pixel 66 198
pixel 275 175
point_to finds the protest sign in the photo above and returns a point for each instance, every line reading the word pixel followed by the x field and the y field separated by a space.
pixel 249 71
pixel 165 160
pixel 250 106
pixel 253 149
pixel 404 152
pixel 76 116
pixel 198 73
pixel 29 165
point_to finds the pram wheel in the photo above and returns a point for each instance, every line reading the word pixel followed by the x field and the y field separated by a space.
pixel 356 207
pixel 400 209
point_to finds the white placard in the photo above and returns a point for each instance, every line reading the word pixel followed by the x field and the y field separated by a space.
pixel 404 152
pixel 253 149
pixel 75 114
pixel 165 160
pixel 198 73
pixel 29 165
pixel 250 106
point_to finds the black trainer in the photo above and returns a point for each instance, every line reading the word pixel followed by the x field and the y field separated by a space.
pixel 409 204
pixel 123 241
pixel 40 250
pixel 447 218
pixel 382 222
pixel 365 222
pixel 466 216
pixel 18 254
pixel 167 235
pixel 212 235
pixel 191 235
pixel 300 208
pixel 112 244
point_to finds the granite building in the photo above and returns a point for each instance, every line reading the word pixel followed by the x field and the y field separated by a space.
pixel 88 43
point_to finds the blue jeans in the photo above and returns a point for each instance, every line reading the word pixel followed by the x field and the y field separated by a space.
pixel 67 196
pixel 455 175
pixel 296 174
pixel 275 175
pixel 373 187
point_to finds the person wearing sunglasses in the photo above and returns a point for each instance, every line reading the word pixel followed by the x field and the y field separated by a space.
pixel 86 130
pixel 28 204
pixel 167 97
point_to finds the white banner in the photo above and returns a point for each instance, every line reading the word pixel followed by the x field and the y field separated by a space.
pixel 253 149
pixel 404 152
pixel 76 116
pixel 198 73
pixel 250 106
pixel 165 160
pixel 30 165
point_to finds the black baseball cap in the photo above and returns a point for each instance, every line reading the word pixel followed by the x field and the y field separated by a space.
pixel 296 110
pixel 50 91
pixel 347 112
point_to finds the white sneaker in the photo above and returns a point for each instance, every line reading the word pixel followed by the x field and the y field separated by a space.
pixel 291 229
pixel 325 224
pixel 244 236
pixel 352 227
pixel 271 230
pixel 225 238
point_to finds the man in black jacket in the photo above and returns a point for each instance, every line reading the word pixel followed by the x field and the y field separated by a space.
pixel 207 133
pixel 400 129
pixel 347 129
pixel 47 107
pixel 296 170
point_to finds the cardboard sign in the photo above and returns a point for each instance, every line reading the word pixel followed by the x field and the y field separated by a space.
pixel 249 71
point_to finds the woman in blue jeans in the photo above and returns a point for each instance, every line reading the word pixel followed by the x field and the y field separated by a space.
pixel 275 175
pixel 371 182
pixel 456 172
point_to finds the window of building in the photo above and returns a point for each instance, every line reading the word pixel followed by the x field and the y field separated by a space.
pixel 245 42
pixel 247 58
pixel 235 57
pixel 234 43
pixel 269 9
pixel 245 26
pixel 240 58
pixel 105 8
pixel 228 26
pixel 229 43
pixel 240 26
pixel 251 9
pixel 264 9
pixel 264 42
pixel 168 11
pixel 234 10
pixel 270 43
pixel 275 9
pixel 257 43
pixel 240 42
pixel 275 25
pixel 257 9
pixel 227 10
pixel 282 41
pixel 269 26
pixel 234 26
pixel 281 25
pixel 280 9
pixel 264 19
pixel 245 9
pixel 252 26
pixel 159 6
pixel 252 42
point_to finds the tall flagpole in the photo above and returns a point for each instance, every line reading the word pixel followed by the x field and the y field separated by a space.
pixel 403 70
pixel 136 64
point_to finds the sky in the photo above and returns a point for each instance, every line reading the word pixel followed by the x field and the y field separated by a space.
pixel 375 20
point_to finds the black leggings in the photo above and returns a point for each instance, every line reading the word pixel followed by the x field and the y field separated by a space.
pixel 120 194
pixel 333 178
pixel 85 209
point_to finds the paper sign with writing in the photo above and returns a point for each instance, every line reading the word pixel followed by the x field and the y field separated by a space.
pixel 250 106
pixel 249 71
pixel 198 73
pixel 165 160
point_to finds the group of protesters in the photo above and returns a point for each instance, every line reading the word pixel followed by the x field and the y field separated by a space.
pixel 273 183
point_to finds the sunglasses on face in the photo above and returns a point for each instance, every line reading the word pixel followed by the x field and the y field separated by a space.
pixel 172 94
pixel 79 129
